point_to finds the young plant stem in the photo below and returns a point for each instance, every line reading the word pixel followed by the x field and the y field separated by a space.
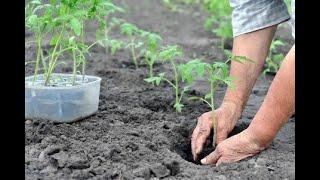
pixel 53 58
pixel 83 62
pixel 38 59
pixel 151 67
pixel 83 70
pixel 222 43
pixel 43 61
pixel 134 56
pixel 176 81
pixel 74 67
pixel 106 31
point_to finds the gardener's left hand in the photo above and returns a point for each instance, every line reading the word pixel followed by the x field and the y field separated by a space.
pixel 235 148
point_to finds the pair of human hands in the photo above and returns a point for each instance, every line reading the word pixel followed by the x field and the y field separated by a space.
pixel 228 150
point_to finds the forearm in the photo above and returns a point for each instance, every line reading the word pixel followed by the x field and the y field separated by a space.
pixel 255 46
pixel 278 105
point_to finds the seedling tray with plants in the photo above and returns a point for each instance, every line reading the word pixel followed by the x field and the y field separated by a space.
pixel 144 118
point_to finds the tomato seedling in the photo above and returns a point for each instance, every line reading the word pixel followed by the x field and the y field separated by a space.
pixel 217 75
pixel 220 14
pixel 38 19
pixel 151 49
pixel 132 32
pixel 64 22
pixel 101 11
pixel 182 73
pixel 274 59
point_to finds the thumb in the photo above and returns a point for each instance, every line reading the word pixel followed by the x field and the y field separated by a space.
pixel 212 158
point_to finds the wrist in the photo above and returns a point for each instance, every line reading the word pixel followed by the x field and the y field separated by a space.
pixel 234 106
pixel 261 136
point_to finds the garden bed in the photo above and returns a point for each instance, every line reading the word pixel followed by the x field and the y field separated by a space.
pixel 136 133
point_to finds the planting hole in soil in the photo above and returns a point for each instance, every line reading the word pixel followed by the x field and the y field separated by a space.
pixel 184 148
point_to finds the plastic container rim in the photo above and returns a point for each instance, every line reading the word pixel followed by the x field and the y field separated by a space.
pixel 96 79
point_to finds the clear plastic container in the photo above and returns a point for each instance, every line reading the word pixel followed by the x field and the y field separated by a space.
pixel 61 103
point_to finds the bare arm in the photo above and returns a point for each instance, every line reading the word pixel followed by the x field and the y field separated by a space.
pixel 254 45
pixel 278 105
pixel 276 109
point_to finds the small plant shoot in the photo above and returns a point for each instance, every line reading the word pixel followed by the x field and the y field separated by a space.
pixel 64 23
pixel 132 32
pixel 274 59
pixel 151 49
pixel 182 73
pixel 217 74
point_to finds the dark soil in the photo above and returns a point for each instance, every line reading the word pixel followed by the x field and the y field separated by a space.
pixel 136 134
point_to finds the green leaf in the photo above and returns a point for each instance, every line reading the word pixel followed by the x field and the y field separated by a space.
pixel 75 25
pixel 229 81
pixel 115 46
pixel 72 40
pixel 192 69
pixel 32 20
pixel 275 44
pixel 208 96
pixel 178 107
pixel 170 53
pixel 54 40
pixel 155 79
pixel 152 40
pixel 224 30
pixel 278 58
pixel 129 29
pixel 209 23
pixel 36 2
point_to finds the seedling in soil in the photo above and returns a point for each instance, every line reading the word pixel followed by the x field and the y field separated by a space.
pixel 38 23
pixel 218 74
pixel 181 73
pixel 101 11
pixel 64 21
pixel 273 60
pixel 151 50
pixel 220 14
pixel 132 32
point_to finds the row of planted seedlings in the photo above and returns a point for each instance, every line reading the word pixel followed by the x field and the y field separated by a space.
pixel 218 21
pixel 184 75
pixel 61 97
pixel 70 97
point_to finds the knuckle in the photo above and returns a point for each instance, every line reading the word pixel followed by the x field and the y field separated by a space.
pixel 219 149
pixel 203 131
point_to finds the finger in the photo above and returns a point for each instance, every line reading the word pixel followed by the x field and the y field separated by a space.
pixel 211 158
pixel 203 134
pixel 193 143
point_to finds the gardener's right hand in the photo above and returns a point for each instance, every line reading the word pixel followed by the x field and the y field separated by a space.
pixel 226 118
